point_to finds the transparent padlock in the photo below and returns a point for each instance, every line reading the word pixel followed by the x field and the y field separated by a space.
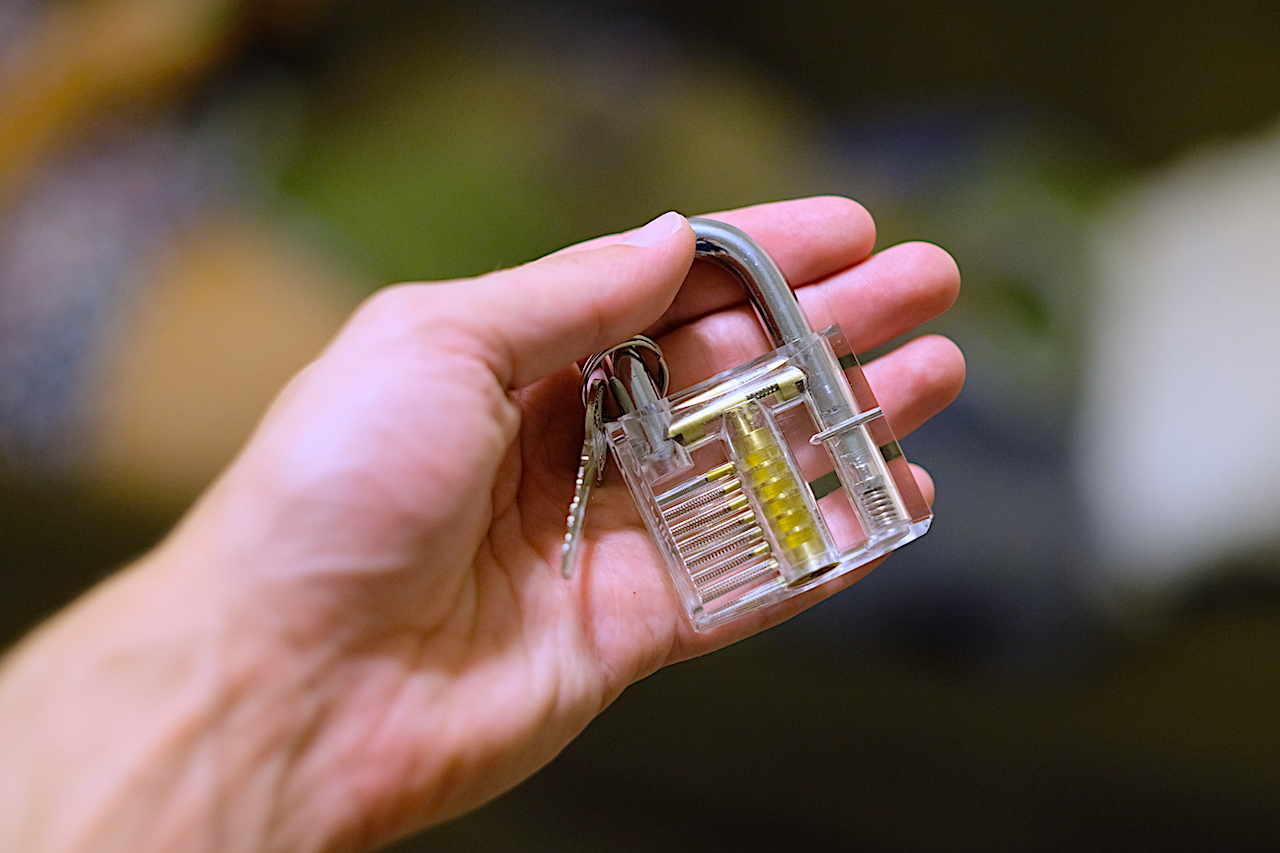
pixel 768 479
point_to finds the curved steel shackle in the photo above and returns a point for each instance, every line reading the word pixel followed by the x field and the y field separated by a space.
pixel 779 311
pixel 772 297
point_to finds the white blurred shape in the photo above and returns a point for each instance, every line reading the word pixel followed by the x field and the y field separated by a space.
pixel 1180 438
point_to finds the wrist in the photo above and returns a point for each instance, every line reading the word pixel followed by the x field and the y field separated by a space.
pixel 116 721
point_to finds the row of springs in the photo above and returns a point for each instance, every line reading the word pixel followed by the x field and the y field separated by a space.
pixel 717 533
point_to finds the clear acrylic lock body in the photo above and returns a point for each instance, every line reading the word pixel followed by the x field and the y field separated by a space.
pixel 751 491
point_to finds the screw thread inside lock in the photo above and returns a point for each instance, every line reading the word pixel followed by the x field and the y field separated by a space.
pixel 803 544
pixel 873 494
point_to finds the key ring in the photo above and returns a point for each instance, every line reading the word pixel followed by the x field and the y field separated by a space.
pixel 603 358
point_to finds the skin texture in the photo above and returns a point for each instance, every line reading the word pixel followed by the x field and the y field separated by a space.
pixel 361 628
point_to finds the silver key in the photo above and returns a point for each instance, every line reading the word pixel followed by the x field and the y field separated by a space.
pixel 590 472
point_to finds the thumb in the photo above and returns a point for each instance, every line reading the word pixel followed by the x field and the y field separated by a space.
pixel 538 318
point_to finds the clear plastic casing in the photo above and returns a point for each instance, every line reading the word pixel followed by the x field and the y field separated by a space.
pixel 753 495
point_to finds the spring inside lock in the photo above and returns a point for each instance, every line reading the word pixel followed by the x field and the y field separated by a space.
pixel 717 533
pixel 879 506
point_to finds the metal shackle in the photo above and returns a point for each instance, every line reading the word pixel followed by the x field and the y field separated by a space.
pixel 767 288
pixel 729 247
pixel 778 309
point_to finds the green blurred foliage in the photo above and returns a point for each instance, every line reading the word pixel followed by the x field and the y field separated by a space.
pixel 454 148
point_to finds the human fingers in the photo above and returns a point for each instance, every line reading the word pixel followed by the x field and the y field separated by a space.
pixel 916 381
pixel 809 238
pixel 924 481
pixel 529 321
pixel 873 302
pixel 889 294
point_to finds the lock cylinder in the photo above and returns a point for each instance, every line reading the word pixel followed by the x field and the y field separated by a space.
pixel 786 504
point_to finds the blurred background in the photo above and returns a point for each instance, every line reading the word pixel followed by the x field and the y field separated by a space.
pixel 1084 653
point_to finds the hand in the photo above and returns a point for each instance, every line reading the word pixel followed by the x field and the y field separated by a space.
pixel 361 629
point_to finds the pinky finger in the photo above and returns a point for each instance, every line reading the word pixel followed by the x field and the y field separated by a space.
pixel 925 482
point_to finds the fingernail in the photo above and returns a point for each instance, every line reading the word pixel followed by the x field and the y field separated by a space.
pixel 657 231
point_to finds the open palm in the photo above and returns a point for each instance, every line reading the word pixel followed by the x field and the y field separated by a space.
pixel 384 553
